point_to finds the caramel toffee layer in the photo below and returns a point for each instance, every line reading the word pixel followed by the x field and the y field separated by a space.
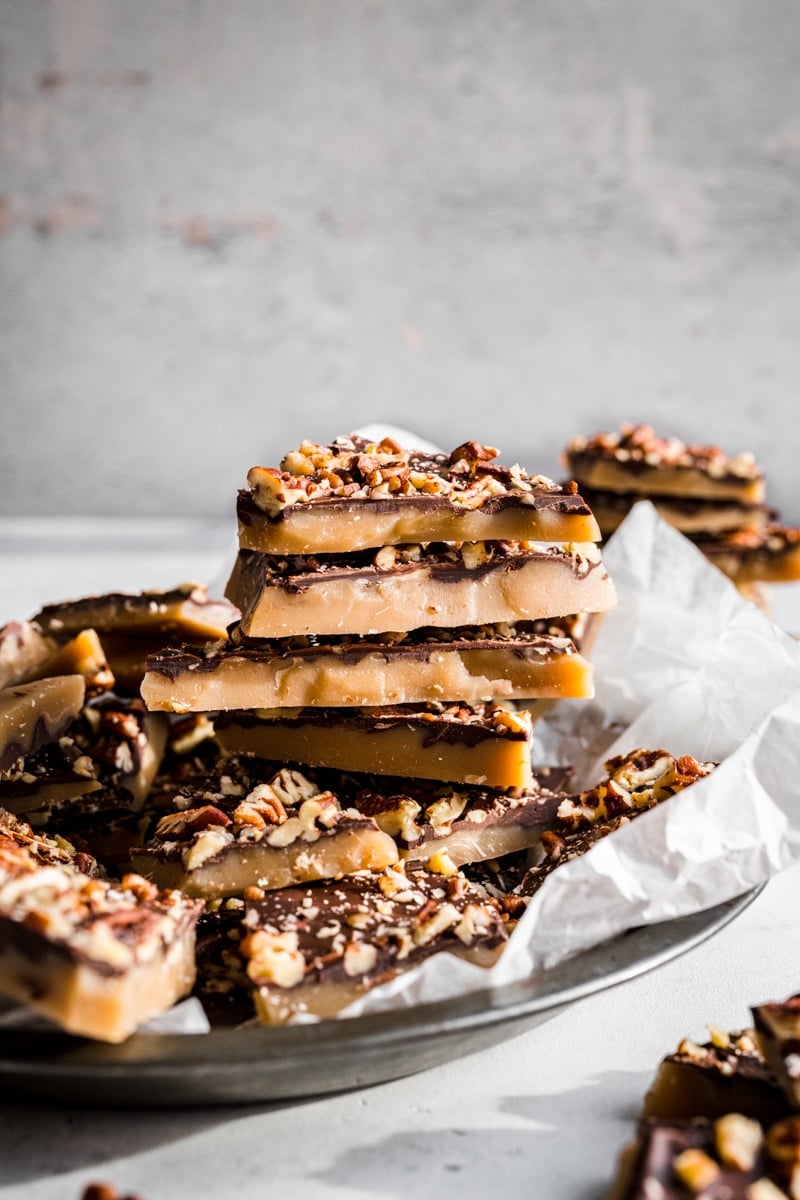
pixel 354 494
pixel 752 556
pixel 96 957
pixel 470 664
pixel 81 655
pixel 404 587
pixel 691 516
pixel 727 1074
pixel 250 825
pixel 33 714
pixel 460 743
pixel 778 1032
pixel 315 950
pixel 634 459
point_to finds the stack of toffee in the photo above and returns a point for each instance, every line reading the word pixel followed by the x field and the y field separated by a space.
pixel 390 599
pixel 716 499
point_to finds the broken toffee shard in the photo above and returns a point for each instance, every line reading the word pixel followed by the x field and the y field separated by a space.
pixel 749 556
pixel 730 1158
pixel 252 825
pixel 112 742
pixel 98 958
pixel 132 625
pixel 459 743
pixel 635 460
pixel 33 714
pixel 185 611
pixel 405 587
pixel 314 950
pixel 725 1074
pixel 473 664
pixel 356 494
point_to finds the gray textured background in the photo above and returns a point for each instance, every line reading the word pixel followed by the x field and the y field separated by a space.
pixel 229 224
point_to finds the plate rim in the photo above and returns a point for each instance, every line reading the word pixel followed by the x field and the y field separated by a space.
pixel 230 1050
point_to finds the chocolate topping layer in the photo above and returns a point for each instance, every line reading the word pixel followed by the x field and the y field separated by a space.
pixel 444 563
pixel 364 927
pixel 418 644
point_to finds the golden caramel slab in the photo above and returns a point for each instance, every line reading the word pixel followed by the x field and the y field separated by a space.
pixel 81 655
pixel 356 494
pixel 406 587
pixel 484 744
pixel 475 664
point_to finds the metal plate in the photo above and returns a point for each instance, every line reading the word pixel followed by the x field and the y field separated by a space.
pixel 259 1064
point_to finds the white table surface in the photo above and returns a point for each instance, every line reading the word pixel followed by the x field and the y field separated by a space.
pixel 541 1116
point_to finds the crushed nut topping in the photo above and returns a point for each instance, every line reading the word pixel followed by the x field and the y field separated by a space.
pixel 363 926
pixel 636 781
pixel 640 444
pixel 353 468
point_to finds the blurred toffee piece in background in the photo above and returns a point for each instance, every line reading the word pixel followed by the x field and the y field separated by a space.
pixel 716 499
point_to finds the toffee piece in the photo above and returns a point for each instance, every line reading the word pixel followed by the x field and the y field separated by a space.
pixel 315 950
pixel 463 824
pixel 694 517
pixel 133 625
pixel 356 494
pixel 477 744
pixel 406 587
pixel 778 1032
pixel 635 459
pixel 250 825
pixel 752 556
pixel 98 958
pixel 473 664
pixel 726 1074
pixel 727 1159
pixel 33 714
pixel 113 742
